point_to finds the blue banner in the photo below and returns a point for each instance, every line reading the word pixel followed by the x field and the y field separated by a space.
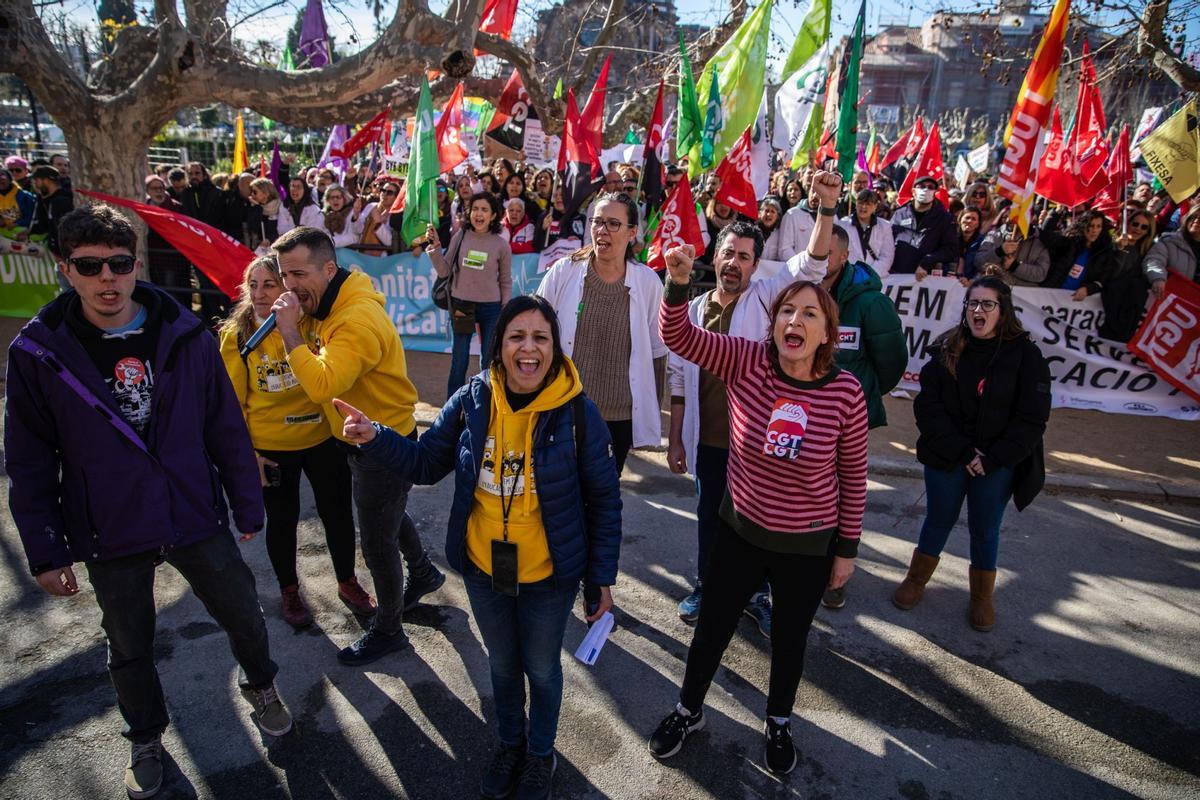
pixel 407 281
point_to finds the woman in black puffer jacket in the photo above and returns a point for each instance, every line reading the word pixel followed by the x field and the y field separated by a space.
pixel 1083 260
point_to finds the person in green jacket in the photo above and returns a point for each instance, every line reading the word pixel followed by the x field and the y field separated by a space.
pixel 871 341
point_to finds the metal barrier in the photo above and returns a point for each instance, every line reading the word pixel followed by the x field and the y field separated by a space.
pixel 29 150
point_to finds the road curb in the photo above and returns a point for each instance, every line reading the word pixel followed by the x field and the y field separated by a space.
pixel 1058 483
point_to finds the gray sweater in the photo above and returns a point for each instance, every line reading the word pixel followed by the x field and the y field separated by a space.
pixel 484 266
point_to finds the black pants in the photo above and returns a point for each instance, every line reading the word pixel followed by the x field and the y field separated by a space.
pixel 622 439
pixel 327 471
pixel 737 570
pixel 125 593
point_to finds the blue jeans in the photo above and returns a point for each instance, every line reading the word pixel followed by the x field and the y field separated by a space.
pixel 524 637
pixel 486 315
pixel 986 496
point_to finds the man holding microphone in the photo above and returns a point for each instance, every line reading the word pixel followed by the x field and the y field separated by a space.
pixel 354 353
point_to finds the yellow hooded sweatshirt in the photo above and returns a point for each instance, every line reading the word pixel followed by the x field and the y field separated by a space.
pixel 355 354
pixel 510 446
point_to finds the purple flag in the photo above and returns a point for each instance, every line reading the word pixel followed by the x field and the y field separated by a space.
pixel 862 164
pixel 337 138
pixel 314 36
pixel 276 168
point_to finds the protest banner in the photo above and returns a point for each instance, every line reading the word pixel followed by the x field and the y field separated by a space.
pixel 28 278
pixel 1169 339
pixel 1088 372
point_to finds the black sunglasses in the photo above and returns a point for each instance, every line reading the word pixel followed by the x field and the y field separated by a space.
pixel 90 266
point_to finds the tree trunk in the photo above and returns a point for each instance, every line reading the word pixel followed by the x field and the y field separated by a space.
pixel 108 151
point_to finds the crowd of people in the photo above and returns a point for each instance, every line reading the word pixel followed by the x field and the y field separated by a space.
pixel 774 381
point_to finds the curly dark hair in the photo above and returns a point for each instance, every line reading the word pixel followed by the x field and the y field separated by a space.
pixel 95 224
pixel 493 203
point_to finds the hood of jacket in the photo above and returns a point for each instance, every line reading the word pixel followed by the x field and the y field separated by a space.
pixel 855 280
pixel 347 289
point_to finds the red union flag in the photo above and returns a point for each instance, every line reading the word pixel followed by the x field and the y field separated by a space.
pixel 220 257
pixel 737 185
pixel 1169 339
pixel 677 226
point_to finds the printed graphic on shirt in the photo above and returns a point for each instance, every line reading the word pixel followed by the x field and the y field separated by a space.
pixel 1076 270
pixel 274 376
pixel 848 337
pixel 475 259
pixel 133 387
pixel 512 471
pixel 785 431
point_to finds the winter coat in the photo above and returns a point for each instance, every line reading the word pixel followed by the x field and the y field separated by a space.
pixel 48 212
pixel 1013 412
pixel 1102 265
pixel 578 493
pixel 931 243
pixel 1030 264
pixel 84 485
pixel 205 203
pixel 1170 253
pixel 882 247
pixel 871 340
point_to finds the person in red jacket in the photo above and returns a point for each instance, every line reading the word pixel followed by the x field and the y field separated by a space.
pixel 517 228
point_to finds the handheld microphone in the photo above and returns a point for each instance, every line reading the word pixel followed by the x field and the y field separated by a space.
pixel 255 340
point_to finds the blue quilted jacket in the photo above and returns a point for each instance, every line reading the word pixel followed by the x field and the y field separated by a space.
pixel 579 496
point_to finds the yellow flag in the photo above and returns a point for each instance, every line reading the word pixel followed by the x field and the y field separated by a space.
pixel 1172 152
pixel 240 160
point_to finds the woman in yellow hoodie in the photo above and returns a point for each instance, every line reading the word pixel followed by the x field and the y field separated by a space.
pixel 290 435
pixel 537 509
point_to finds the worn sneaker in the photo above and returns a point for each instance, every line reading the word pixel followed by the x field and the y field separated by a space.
pixel 759 610
pixel 293 609
pixel 356 598
pixel 671 732
pixel 371 646
pixel 270 713
pixel 536 778
pixel 834 598
pixel 417 588
pixel 501 775
pixel 689 607
pixel 781 753
pixel 143 776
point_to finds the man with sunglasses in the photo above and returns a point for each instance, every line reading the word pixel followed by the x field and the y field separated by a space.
pixel 142 482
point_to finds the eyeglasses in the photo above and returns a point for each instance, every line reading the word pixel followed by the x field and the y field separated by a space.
pixel 393 191
pixel 90 266
pixel 613 225
pixel 976 305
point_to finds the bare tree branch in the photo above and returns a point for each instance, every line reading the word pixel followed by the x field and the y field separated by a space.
pixel 1152 42
pixel 615 9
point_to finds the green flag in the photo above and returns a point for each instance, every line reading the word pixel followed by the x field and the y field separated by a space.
pixel 286 64
pixel 814 30
pixel 420 189
pixel 712 125
pixel 741 65
pixel 847 126
pixel 631 138
pixel 558 90
pixel 690 121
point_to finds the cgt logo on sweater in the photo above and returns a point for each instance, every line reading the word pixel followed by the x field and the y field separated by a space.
pixel 785 430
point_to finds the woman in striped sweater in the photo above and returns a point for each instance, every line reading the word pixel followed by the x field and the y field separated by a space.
pixel 797 490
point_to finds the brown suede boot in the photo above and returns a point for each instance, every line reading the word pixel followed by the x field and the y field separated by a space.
pixel 920 570
pixel 983 613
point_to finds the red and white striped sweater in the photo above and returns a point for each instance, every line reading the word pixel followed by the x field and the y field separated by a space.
pixel 797 450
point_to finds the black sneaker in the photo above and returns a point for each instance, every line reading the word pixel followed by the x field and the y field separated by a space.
pixel 781 753
pixel 371 646
pixel 668 738
pixel 536 778
pixel 417 588
pixel 501 775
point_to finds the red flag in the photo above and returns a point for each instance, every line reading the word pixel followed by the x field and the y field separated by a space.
pixel 448 132
pixel 1089 148
pixel 928 163
pixel 262 166
pixel 827 150
pixel 593 112
pixel 497 19
pixel 1055 178
pixel 578 161
pixel 216 254
pixel 371 132
pixel 512 109
pixel 1111 200
pixel 737 185
pixel 1169 338
pixel 873 165
pixel 907 145
pixel 655 150
pixel 678 225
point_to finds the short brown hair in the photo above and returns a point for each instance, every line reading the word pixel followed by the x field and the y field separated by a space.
pixel 320 246
pixel 95 224
pixel 823 358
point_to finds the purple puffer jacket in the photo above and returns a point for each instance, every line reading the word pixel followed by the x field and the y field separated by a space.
pixel 83 485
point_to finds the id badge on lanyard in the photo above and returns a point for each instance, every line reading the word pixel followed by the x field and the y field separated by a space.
pixel 504 552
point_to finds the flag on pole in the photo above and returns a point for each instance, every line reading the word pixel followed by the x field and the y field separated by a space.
pixel 262 166
pixel 677 225
pixel 241 161
pixel 1055 181
pixel 372 131
pixel 1171 153
pixel 847 127
pixel 314 36
pixel 631 137
pixel 497 19
pixel 451 152
pixel 593 112
pixel 1027 126
pixel 928 164
pixel 654 151
pixel 420 188
pixel 712 125
pixel 872 151
pixel 337 137
pixel 814 32
pixel 690 122
pixel 558 90
pixel 1111 200
pixel 907 145
pixel 578 162
pixel 737 183
pixel 739 68
pixel 760 152
pixel 800 98
pixel 277 169
pixel 512 109
pixel 1089 146
pixel 286 64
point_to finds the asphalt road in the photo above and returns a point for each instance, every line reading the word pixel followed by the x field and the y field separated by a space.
pixel 1087 688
